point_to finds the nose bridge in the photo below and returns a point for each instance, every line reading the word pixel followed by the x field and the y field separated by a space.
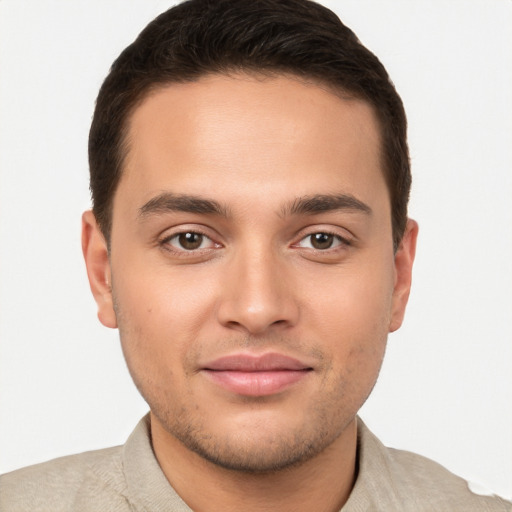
pixel 257 294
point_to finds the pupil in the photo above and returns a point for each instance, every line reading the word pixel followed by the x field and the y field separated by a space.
pixel 190 240
pixel 322 240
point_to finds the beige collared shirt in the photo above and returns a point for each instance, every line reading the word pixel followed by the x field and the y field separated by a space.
pixel 128 478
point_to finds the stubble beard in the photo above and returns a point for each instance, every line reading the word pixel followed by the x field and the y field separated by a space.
pixel 260 450
pixel 257 452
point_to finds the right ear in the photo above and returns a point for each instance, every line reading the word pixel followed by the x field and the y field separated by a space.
pixel 95 250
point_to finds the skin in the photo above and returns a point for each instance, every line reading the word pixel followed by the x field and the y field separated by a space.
pixel 255 285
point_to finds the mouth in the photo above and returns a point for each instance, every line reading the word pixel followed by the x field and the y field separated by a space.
pixel 250 375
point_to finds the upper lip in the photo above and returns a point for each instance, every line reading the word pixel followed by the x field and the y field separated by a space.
pixel 256 363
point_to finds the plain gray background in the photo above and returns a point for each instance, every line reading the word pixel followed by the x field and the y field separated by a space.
pixel 446 386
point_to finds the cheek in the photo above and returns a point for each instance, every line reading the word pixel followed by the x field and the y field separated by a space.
pixel 163 299
pixel 155 330
pixel 158 321
pixel 351 318
pixel 353 301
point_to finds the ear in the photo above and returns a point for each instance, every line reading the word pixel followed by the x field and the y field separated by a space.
pixel 94 247
pixel 404 259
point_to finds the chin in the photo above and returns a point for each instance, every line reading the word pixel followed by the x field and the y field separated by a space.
pixel 259 444
pixel 260 456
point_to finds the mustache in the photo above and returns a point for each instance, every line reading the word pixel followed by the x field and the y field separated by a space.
pixel 260 345
pixel 271 341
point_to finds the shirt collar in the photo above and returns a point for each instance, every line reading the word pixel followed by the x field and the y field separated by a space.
pixel 148 488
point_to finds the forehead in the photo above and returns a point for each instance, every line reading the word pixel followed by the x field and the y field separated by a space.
pixel 276 133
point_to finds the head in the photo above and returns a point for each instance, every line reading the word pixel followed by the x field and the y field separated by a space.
pixel 202 37
pixel 249 235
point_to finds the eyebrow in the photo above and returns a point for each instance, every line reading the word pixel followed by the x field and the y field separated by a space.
pixel 169 202
pixel 307 205
pixel 321 203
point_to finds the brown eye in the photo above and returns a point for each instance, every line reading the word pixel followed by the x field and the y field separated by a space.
pixel 322 240
pixel 190 241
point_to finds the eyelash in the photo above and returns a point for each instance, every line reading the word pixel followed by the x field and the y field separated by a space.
pixel 183 252
pixel 342 241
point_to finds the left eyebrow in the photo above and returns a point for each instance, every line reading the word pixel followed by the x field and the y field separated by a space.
pixel 321 203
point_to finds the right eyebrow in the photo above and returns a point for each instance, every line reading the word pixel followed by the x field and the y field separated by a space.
pixel 169 202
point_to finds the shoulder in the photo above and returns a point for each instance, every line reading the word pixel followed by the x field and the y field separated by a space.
pixel 407 481
pixel 59 483
pixel 434 484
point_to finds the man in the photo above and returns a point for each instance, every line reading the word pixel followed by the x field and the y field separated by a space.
pixel 249 238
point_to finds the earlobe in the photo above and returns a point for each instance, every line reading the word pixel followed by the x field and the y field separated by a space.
pixel 95 250
pixel 404 259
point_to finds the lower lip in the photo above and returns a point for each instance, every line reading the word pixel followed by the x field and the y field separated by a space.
pixel 262 383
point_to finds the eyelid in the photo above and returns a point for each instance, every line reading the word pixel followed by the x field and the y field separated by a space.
pixel 170 233
pixel 340 241
pixel 177 235
pixel 343 235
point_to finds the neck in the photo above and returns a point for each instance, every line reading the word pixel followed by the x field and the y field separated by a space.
pixel 322 483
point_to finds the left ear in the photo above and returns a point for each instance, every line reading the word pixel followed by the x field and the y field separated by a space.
pixel 404 258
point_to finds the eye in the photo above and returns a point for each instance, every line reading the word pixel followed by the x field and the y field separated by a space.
pixel 321 241
pixel 189 241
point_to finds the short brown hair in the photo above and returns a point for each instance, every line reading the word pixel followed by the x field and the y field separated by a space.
pixel 200 37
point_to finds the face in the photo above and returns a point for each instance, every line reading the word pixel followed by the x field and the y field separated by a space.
pixel 252 273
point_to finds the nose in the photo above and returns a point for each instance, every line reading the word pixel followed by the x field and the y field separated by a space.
pixel 258 294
